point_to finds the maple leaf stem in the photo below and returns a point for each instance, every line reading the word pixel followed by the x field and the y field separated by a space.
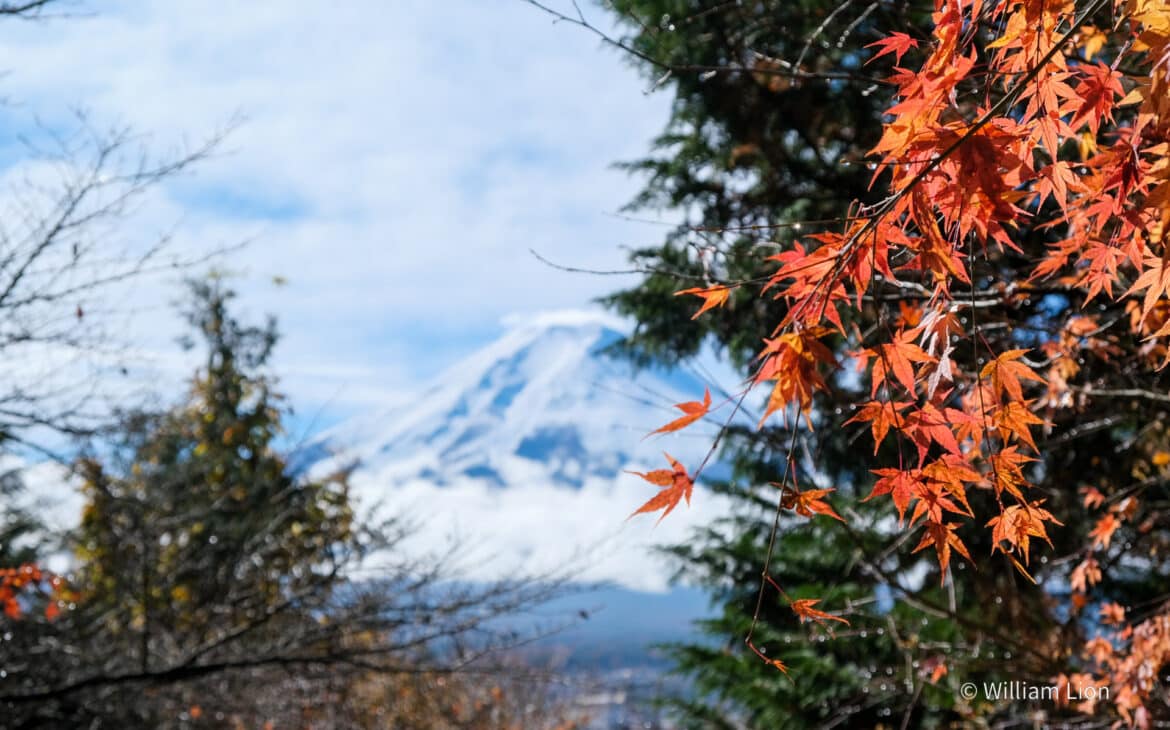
pixel 765 575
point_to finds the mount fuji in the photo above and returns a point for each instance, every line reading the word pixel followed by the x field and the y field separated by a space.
pixel 518 453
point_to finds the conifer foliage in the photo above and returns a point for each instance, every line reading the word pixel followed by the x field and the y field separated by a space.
pixel 196 522
pixel 986 314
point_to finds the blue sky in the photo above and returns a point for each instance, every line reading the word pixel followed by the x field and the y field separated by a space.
pixel 395 162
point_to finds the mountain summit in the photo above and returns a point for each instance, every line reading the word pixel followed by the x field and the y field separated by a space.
pixel 541 405
pixel 522 447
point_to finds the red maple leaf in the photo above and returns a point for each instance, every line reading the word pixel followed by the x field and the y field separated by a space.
pixel 895 43
pixel 897 358
pixel 901 485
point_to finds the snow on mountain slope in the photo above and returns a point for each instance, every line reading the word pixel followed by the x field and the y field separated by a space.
pixel 520 450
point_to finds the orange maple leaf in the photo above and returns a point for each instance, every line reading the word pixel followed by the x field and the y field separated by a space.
pixel 1100 649
pixel 1093 497
pixel 953 473
pixel 882 416
pixel 942 536
pixel 693 410
pixel 791 360
pixel 1102 261
pixel 1112 613
pixel 1008 468
pixel 803 607
pixel 939 671
pixel 808 502
pixel 1006 372
pixel 1086 575
pixel 1155 281
pixel 932 502
pixel 1017 524
pixel 715 296
pixel 927 425
pixel 1016 418
pixel 1102 534
pixel 676 485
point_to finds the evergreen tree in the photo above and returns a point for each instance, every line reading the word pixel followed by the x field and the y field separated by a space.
pixel 194 524
pixel 772 116
pixel 749 154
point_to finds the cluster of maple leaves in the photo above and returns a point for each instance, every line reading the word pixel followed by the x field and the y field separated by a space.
pixel 963 173
pixel 21 580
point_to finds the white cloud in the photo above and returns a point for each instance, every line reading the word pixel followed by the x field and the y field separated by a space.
pixel 539 529
pixel 396 162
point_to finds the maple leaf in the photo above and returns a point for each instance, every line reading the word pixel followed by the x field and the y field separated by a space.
pixel 953 473
pixel 932 503
pixel 1112 613
pixel 715 296
pixel 943 372
pixel 943 538
pixel 693 410
pixel 778 664
pixel 676 485
pixel 1102 533
pixel 882 415
pixel 1126 508
pixel 1100 86
pixel 1093 497
pixel 803 607
pixel 808 502
pixel 1017 524
pixel 1006 371
pixel 1055 181
pixel 897 358
pixel 1100 649
pixel 1085 575
pixel 929 425
pixel 938 671
pixel 1015 419
pixel 1154 281
pixel 895 43
pixel 1008 471
pixel 901 485
pixel 791 360
pixel 1092 41
pixel 1103 261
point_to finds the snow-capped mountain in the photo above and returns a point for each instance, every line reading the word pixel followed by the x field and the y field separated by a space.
pixel 542 405
pixel 522 448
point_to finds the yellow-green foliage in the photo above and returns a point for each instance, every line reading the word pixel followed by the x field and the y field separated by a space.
pixel 193 523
